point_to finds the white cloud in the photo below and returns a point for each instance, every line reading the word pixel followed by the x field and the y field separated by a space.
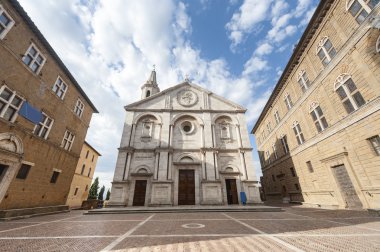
pixel 264 49
pixel 255 64
pixel 250 13
pixel 110 48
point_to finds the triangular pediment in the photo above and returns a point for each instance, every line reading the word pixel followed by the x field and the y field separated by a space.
pixel 185 96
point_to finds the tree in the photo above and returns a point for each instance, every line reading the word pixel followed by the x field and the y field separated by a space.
pixel 93 194
pixel 108 194
pixel 101 193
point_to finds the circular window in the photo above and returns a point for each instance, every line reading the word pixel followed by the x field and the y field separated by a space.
pixel 187 127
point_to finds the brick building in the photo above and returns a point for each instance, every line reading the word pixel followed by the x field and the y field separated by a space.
pixel 44 117
pixel 83 176
pixel 318 135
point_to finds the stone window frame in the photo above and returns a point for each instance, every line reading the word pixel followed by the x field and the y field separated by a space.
pixel 328 53
pixel 303 80
pixel 225 130
pixel 79 108
pixel 23 174
pixel 310 167
pixel 274 151
pixel 378 45
pixel 277 117
pixel 284 143
pixel 6 27
pixel 269 128
pixel 353 99
pixel 76 191
pixel 298 132
pixel 43 125
pixel 288 101
pixel 60 88
pixel 33 58
pixel 267 153
pixel 375 144
pixel 68 140
pixel 318 117
pixel 55 176
pixel 363 7
pixel 146 129
pixel 8 104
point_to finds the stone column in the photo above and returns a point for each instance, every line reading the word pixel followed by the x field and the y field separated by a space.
pixel 171 135
pixel 132 135
pixel 170 161
pixel 204 176
pixel 238 135
pixel 157 156
pixel 159 134
pixel 244 168
pixel 216 153
pixel 126 173
pixel 213 135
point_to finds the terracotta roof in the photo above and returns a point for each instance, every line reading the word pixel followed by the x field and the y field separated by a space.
pixel 308 34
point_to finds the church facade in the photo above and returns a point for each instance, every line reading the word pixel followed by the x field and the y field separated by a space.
pixel 183 146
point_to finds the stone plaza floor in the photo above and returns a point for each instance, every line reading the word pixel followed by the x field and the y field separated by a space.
pixel 295 229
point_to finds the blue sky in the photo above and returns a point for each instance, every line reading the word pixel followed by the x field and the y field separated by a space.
pixel 235 48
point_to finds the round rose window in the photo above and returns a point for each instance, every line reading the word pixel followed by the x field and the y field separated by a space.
pixel 187 127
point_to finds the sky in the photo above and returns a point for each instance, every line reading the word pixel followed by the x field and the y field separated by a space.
pixel 234 48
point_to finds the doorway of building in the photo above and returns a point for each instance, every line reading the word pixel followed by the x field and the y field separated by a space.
pixel 140 192
pixel 232 196
pixel 346 187
pixel 186 187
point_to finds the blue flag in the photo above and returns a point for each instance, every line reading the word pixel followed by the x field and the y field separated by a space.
pixel 30 113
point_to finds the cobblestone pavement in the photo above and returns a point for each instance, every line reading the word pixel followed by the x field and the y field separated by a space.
pixel 295 229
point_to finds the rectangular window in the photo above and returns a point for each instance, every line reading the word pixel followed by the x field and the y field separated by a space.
pixel 89 172
pixel 274 151
pixel 83 167
pixel 303 81
pixel 6 22
pixel 350 95
pixel 375 142
pixel 23 171
pixel 93 156
pixel 293 172
pixel 273 178
pixel 298 132
pixel 76 191
pixel 297 187
pixel 268 156
pixel 269 127
pixel 88 152
pixel 43 128
pixel 309 167
pixel 10 104
pixel 34 59
pixel 60 88
pixel 284 143
pixel 54 177
pixel 288 102
pixel 277 117
pixel 319 119
pixel 79 107
pixel 68 140
pixel 326 51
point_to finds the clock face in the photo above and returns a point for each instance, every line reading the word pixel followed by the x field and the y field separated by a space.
pixel 187 98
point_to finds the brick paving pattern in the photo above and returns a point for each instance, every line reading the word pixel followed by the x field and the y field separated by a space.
pixel 295 229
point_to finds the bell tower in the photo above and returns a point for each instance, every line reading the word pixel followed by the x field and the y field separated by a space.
pixel 150 87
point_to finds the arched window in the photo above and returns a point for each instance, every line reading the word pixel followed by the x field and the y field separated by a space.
pixel 360 9
pixel 288 101
pixel 147 94
pixel 325 51
pixel 348 93
pixel 298 132
pixel 269 128
pixel 318 117
pixel 268 156
pixel 284 143
pixel 378 45
pixel 303 80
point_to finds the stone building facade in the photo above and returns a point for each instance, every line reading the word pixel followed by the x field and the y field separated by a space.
pixel 84 173
pixel 44 117
pixel 318 135
pixel 183 146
